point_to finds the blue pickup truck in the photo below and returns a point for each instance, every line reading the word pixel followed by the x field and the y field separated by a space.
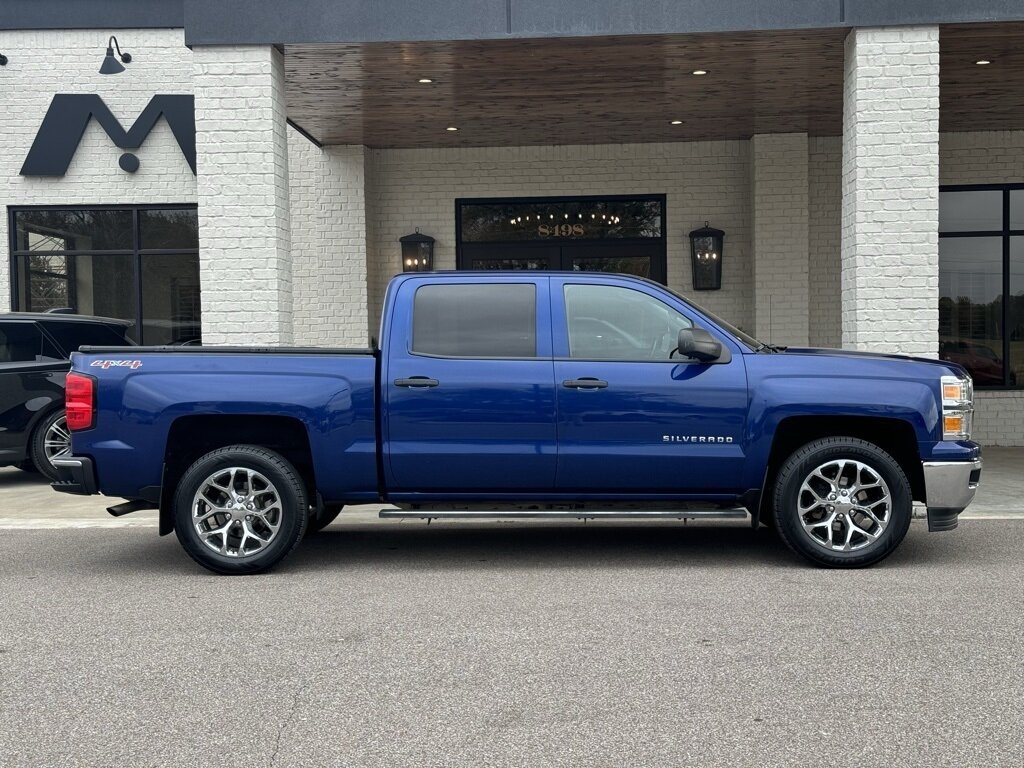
pixel 524 394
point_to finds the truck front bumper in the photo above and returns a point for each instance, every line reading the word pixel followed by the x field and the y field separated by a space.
pixel 75 474
pixel 949 487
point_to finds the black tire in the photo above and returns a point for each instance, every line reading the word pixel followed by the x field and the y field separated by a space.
pixel 329 515
pixel 27 466
pixel 293 517
pixel 787 493
pixel 37 446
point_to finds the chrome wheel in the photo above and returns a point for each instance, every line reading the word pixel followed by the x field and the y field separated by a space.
pixel 844 505
pixel 57 440
pixel 237 512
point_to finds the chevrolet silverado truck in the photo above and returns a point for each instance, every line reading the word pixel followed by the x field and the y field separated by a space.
pixel 524 394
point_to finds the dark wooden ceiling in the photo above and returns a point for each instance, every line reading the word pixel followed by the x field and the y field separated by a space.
pixel 622 89
pixel 981 98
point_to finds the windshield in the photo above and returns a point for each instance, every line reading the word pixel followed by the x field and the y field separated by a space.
pixel 741 336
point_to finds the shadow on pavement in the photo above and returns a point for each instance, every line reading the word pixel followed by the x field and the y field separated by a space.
pixel 394 548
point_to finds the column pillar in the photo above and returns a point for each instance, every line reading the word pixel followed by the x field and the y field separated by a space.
pixel 242 179
pixel 890 214
pixel 780 239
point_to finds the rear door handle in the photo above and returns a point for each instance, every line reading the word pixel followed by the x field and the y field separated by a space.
pixel 416 382
pixel 585 383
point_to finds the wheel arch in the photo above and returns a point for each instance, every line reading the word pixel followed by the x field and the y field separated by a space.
pixel 191 437
pixel 894 436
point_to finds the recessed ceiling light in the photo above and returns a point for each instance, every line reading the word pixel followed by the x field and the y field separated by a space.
pixel 700 72
pixel 451 128
pixel 426 80
pixel 983 61
pixel 676 122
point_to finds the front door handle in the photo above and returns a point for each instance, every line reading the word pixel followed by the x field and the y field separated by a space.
pixel 585 383
pixel 416 382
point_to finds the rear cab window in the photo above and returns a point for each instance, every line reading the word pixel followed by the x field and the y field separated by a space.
pixel 475 320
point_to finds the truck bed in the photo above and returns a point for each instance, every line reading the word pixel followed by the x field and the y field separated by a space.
pixel 147 395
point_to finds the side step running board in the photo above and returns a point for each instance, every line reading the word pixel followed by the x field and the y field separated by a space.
pixel 565 514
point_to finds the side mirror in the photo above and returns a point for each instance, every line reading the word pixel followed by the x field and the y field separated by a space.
pixel 698 344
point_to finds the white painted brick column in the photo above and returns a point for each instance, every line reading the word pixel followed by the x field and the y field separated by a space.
pixel 778 165
pixel 889 243
pixel 242 175
pixel 329 244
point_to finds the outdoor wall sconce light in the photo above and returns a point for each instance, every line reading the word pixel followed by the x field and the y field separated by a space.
pixel 3 60
pixel 706 246
pixel 417 252
pixel 110 65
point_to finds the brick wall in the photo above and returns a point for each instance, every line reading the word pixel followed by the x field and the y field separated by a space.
pixel 778 189
pixel 890 176
pixel 244 229
pixel 702 180
pixel 328 243
pixel 44 63
pixel 824 203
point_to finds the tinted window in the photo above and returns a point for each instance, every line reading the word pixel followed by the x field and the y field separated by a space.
pixel 20 343
pixel 971 306
pixel 170 228
pixel 610 323
pixel 71 336
pixel 971 211
pixel 94 261
pixel 73 230
pixel 475 320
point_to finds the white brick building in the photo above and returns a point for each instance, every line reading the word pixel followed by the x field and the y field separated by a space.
pixel 825 154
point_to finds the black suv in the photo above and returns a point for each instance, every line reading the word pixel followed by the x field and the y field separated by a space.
pixel 34 356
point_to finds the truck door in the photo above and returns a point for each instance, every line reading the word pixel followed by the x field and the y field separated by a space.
pixel 469 388
pixel 632 419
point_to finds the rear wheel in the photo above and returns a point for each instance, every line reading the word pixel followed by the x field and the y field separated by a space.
pixel 842 502
pixel 50 440
pixel 240 509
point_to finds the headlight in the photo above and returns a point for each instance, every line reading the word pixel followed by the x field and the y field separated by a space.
pixel 957 408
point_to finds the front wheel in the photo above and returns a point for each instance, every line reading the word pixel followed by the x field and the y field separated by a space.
pixel 240 509
pixel 842 502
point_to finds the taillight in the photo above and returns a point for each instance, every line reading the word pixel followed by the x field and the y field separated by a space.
pixel 80 401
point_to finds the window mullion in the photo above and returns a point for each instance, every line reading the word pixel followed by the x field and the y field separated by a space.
pixel 1006 288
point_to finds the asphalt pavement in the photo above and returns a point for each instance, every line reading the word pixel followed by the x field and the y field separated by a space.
pixel 499 644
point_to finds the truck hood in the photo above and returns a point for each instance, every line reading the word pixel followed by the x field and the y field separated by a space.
pixel 846 353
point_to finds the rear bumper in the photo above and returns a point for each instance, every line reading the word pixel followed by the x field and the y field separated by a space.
pixel 949 488
pixel 75 474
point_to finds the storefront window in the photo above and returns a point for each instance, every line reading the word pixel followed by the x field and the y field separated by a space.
pixel 578 234
pixel 981 282
pixel 559 220
pixel 136 263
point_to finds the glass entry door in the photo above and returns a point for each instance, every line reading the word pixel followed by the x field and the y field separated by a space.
pixel 623 234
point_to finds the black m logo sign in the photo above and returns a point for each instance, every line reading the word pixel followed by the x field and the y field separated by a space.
pixel 69 114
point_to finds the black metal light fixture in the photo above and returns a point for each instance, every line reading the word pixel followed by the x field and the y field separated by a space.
pixel 3 60
pixel 417 252
pixel 110 65
pixel 706 246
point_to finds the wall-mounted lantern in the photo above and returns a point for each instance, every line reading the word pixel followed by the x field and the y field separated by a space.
pixel 110 65
pixel 706 246
pixel 417 252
